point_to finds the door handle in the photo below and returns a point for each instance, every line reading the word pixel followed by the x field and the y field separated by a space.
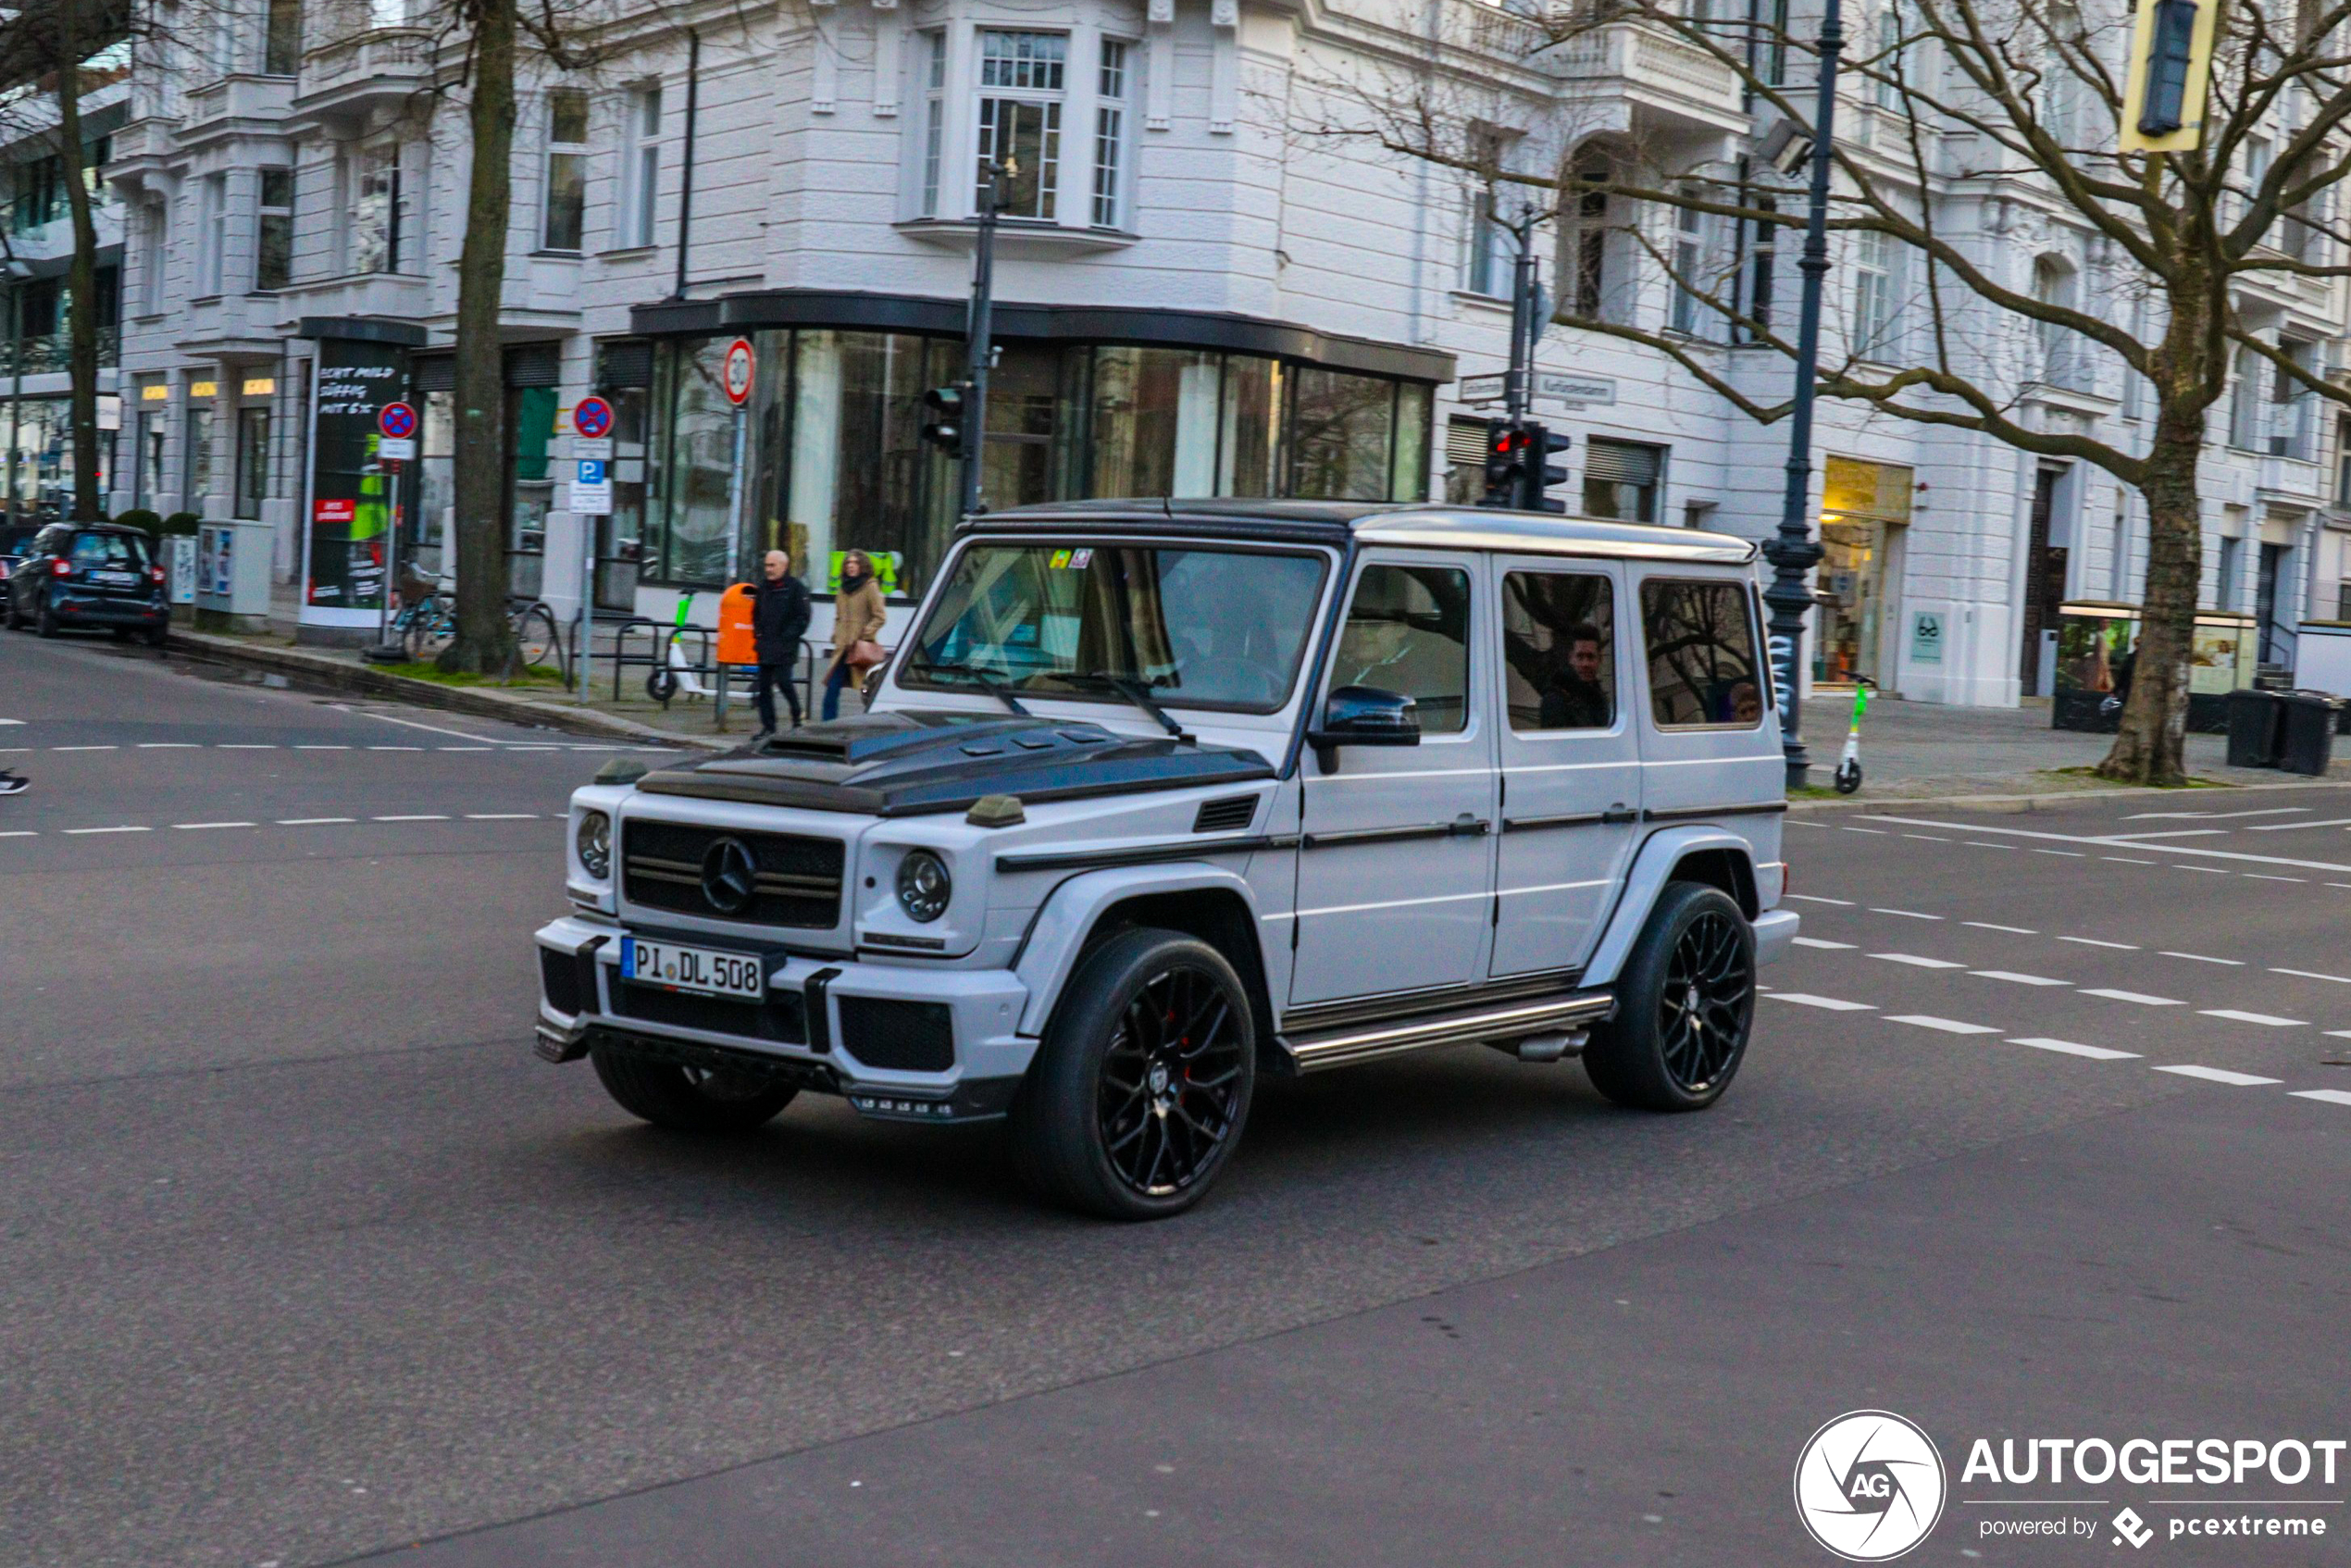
pixel 1620 813
pixel 1468 827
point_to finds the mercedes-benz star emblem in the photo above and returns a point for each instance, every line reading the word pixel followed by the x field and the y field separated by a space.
pixel 729 876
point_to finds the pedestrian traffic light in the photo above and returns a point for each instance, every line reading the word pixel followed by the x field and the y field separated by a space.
pixel 1536 474
pixel 1506 448
pixel 2170 66
pixel 943 419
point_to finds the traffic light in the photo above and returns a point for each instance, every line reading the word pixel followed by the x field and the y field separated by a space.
pixel 943 419
pixel 1506 448
pixel 1536 474
pixel 2170 66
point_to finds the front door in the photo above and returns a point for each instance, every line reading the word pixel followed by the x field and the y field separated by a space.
pixel 1395 867
pixel 1571 762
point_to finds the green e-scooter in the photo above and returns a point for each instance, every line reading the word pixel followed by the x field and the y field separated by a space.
pixel 1849 767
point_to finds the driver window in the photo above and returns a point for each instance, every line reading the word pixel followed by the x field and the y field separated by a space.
pixel 1408 632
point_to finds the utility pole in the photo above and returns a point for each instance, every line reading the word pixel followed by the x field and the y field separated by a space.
pixel 1517 382
pixel 1793 550
pixel 980 331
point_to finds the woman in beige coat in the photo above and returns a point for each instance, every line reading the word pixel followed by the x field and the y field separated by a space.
pixel 857 617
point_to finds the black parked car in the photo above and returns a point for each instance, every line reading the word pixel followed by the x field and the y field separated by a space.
pixel 89 575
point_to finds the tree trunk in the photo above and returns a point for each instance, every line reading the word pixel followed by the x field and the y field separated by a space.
pixel 483 638
pixel 2150 748
pixel 81 278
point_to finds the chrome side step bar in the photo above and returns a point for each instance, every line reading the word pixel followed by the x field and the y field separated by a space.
pixel 1343 1048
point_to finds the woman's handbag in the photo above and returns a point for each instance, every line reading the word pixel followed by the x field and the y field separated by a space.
pixel 865 653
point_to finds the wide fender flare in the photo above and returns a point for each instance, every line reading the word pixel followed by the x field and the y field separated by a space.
pixel 1049 954
pixel 1652 868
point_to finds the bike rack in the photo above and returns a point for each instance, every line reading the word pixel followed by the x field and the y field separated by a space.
pixel 656 654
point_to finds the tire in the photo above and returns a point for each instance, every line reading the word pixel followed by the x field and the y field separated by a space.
pixel 536 638
pixel 120 633
pixel 1123 1116
pixel 15 617
pixel 1659 1053
pixel 156 636
pixel 45 622
pixel 686 1100
pixel 1849 777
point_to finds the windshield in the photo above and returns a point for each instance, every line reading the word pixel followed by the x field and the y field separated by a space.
pixel 1201 627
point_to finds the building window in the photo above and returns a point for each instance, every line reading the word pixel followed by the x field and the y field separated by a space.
pixel 641 165
pixel 567 169
pixel 375 210
pixel 1620 480
pixel 1020 119
pixel 253 460
pixel 2343 462
pixel 273 236
pixel 1110 130
pixel 1491 251
pixel 1762 259
pixel 2244 401
pixel 1689 259
pixel 1873 289
pixel 1888 64
pixel 934 116
pixel 281 44
pixel 154 226
pixel 2225 578
pixel 2294 413
pixel 1591 246
pixel 199 462
pixel 212 219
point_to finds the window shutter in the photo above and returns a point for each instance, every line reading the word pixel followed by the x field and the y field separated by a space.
pixel 437 374
pixel 627 362
pixel 534 364
pixel 1464 443
pixel 1621 462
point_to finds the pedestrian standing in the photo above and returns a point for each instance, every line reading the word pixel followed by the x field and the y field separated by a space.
pixel 858 615
pixel 779 621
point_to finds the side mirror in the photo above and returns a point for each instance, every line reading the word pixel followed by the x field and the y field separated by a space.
pixel 1363 716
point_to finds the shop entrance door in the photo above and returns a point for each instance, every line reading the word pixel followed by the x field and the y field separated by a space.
pixel 2274 643
pixel 1852 580
pixel 2045 567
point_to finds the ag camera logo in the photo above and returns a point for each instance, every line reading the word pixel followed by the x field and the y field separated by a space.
pixel 1870 1486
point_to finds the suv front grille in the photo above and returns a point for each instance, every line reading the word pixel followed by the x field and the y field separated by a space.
pixel 798 882
pixel 782 1019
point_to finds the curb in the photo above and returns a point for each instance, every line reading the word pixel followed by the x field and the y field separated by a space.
pixel 362 680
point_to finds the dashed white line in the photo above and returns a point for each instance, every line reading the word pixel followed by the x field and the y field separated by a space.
pixel 195 827
pixel 2011 930
pixel 2070 855
pixel 2208 870
pixel 2338 1034
pixel 1905 914
pixel 2332 1095
pixel 20 833
pixel 313 821
pixel 2212 815
pixel 2140 996
pixel 2265 877
pixel 1945 1026
pixel 2289 827
pixel 126 830
pixel 2217 1075
pixel 2070 1047
pixel 169 746
pixel 1815 897
pixel 2203 958
pixel 244 746
pixel 85 748
pixel 1823 942
pixel 532 816
pixel 1879 832
pixel 1916 962
pixel 1833 1004
pixel 2016 980
pixel 2126 860
pixel 2309 975
pixel 465 748
pixel 422 817
pixel 318 747
pixel 1928 837
pixel 395 748
pixel 2093 941
pixel 2270 1019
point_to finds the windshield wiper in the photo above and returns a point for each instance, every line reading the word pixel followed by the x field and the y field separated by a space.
pixel 1133 691
pixel 987 680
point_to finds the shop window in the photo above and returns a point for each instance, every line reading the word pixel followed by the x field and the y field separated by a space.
pixel 1021 77
pixel 1341 428
pixel 1110 130
pixel 253 460
pixel 566 192
pixel 1620 480
pixel 698 465
pixel 1559 651
pixel 199 458
pixel 1154 422
pixel 1415 414
pixel 641 165
pixel 861 476
pixel 1250 445
pixel 436 466
pixel 150 458
pixel 1702 655
pixel 1408 632
pixel 273 233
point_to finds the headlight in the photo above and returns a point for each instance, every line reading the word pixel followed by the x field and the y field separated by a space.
pixel 924 887
pixel 594 843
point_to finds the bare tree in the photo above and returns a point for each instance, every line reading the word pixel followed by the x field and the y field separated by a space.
pixel 2014 106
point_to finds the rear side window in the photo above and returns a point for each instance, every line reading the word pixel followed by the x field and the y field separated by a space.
pixel 1408 632
pixel 116 552
pixel 1559 651
pixel 1701 643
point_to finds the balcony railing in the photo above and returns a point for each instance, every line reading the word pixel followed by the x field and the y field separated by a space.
pixel 1631 54
pixel 43 354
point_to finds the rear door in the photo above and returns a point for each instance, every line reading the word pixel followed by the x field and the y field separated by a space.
pixel 1570 758
pixel 114 566
pixel 1708 750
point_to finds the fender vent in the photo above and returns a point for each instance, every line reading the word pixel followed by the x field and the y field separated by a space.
pixel 1227 816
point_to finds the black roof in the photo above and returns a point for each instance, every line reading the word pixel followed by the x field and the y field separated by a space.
pixel 1384 522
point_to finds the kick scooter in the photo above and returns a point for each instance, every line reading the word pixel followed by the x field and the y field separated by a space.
pixel 1849 767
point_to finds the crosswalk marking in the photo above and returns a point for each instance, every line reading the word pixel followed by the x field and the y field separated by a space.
pixel 1916 962
pixel 2216 1075
pixel 2140 996
pixel 2014 978
pixel 1946 1026
pixel 2270 1019
pixel 2072 1048
pixel 1833 1004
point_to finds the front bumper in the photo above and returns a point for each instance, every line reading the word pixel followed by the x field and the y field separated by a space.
pixel 818 1017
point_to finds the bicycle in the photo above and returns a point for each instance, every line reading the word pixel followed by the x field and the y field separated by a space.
pixel 427 626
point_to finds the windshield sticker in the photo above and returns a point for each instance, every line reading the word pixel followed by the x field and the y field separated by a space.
pixel 1081 559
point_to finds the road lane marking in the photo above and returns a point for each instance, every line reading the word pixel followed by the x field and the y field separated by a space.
pixel 2201 958
pixel 2110 842
pixel 126 830
pixel 2126 860
pixel 2265 877
pixel 11 721
pixel 395 748
pixel 2273 1020
pixel 2173 833
pixel 169 746
pixel 1945 1026
pixel 1980 844
pixel 244 746
pixel 422 817
pixel 2014 978
pixel 1820 942
pixel 20 833
pixel 465 748
pixel 2308 975
pixel 1876 832
pixel 2208 870
pixel 413 724
pixel 1929 838
pixel 1905 914
pixel 2332 1095
pixel 315 748
pixel 1916 962
pixel 1814 897
pixel 193 827
pixel 85 748
pixel 1804 999
pixel 2290 826
pixel 2093 941
pixel 2070 855
pixel 533 816
pixel 2011 930
pixel 2212 815
pixel 2216 1075
pixel 2068 1047
pixel 2140 996
pixel 313 821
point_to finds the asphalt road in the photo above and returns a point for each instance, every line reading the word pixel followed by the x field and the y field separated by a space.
pixel 303 1257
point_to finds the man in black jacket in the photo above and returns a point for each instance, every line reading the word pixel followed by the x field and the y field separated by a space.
pixel 779 621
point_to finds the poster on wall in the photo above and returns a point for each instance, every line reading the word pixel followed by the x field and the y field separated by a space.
pixel 348 526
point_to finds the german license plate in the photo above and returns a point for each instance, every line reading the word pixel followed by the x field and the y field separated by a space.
pixel 705 971
pixel 115 580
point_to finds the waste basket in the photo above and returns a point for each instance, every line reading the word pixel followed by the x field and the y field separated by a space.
pixel 2253 728
pixel 2305 740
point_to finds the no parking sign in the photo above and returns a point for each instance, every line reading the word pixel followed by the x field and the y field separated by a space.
pixel 397 425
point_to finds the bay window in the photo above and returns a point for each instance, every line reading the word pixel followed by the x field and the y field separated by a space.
pixel 1022 82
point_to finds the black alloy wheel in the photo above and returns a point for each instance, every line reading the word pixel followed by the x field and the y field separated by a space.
pixel 1143 1082
pixel 1684 1005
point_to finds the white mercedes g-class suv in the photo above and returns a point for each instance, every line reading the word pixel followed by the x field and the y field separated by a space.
pixel 1157 798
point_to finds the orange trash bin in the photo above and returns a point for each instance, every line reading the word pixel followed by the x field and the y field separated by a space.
pixel 736 643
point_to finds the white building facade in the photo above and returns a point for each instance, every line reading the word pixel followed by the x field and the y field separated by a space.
pixel 1205 286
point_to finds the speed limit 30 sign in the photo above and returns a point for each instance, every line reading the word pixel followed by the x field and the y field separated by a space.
pixel 736 371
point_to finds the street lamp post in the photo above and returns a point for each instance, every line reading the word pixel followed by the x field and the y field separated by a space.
pixel 1794 551
pixel 980 332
